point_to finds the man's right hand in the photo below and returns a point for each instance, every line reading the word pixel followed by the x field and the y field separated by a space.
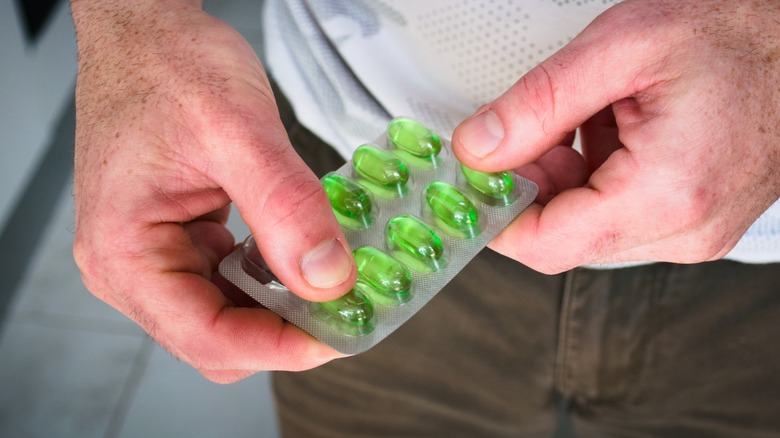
pixel 175 118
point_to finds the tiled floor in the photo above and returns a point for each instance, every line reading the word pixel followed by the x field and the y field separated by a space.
pixel 70 366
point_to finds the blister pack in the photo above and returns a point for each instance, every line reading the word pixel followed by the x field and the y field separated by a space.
pixel 414 217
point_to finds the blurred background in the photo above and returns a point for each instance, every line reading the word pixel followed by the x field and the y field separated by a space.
pixel 70 366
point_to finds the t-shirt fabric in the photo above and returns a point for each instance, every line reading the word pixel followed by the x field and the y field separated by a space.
pixel 349 66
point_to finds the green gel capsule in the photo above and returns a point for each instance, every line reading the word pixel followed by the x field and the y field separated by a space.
pixel 414 139
pixel 387 277
pixel 496 187
pixel 381 169
pixel 349 201
pixel 454 212
pixel 415 243
pixel 351 314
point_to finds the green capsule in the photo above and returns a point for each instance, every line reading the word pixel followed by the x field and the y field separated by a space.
pixel 381 169
pixel 415 243
pixel 349 201
pixel 352 314
pixel 497 187
pixel 452 209
pixel 415 139
pixel 386 276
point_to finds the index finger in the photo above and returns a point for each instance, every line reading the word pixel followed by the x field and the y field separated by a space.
pixel 203 328
pixel 583 225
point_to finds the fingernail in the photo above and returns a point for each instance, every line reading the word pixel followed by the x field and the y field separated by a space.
pixel 481 134
pixel 327 265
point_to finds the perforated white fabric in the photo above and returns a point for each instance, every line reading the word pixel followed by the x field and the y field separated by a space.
pixel 349 66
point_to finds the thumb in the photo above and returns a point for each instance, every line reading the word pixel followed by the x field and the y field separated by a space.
pixel 288 213
pixel 605 63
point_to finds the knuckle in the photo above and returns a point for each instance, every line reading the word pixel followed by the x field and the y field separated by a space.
pixel 694 210
pixel 81 253
pixel 540 94
pixel 547 264
pixel 138 314
pixel 693 217
pixel 84 257
pixel 292 196
pixel 202 351
pixel 709 246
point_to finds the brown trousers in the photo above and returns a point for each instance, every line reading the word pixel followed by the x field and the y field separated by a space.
pixel 660 350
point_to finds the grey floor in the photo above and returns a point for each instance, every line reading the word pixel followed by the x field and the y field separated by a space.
pixel 70 366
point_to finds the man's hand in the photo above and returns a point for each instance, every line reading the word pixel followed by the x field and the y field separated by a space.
pixel 175 118
pixel 679 109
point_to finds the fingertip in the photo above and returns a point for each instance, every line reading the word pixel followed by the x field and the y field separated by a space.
pixel 514 240
pixel 300 351
pixel 500 137
pixel 260 340
pixel 522 241
pixel 298 236
pixel 478 136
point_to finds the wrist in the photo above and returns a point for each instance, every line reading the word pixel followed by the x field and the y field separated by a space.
pixel 112 22
pixel 125 56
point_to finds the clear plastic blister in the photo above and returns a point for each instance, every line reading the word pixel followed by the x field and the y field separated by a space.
pixel 414 217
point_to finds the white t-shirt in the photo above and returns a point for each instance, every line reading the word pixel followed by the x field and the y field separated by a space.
pixel 349 66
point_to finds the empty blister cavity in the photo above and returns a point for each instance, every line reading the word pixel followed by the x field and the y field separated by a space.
pixel 453 212
pixel 351 314
pixel 413 242
pixel 253 263
pixel 383 172
pixel 389 281
pixel 351 203
pixel 492 188
pixel 415 142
